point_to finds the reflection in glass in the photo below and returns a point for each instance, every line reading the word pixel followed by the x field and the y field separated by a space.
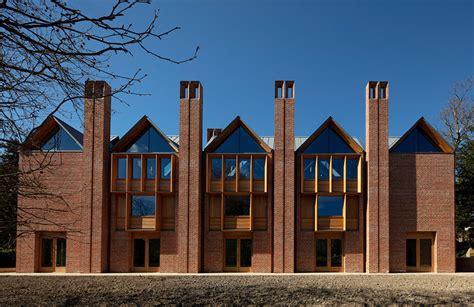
pixel 136 168
pixel 150 141
pixel 323 169
pixel 122 168
pixel 351 169
pixel 143 205
pixel 239 141
pixel 258 169
pixel 309 169
pixel 60 140
pixel 330 205
pixel 230 168
pixel 150 168
pixel 61 252
pixel 244 168
pixel 216 168
pixel 165 166
pixel 337 169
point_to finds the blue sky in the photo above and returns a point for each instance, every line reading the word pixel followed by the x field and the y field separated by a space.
pixel 330 48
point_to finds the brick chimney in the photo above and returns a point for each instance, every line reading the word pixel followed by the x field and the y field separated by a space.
pixel 213 132
pixel 189 194
pixel 284 178
pixel 377 158
pixel 95 214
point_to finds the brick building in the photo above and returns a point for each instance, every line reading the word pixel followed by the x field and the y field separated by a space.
pixel 239 202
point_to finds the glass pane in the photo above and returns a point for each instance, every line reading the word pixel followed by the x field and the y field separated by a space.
pixel 245 253
pixel 150 168
pixel 244 168
pixel 328 141
pixel 136 168
pixel 61 252
pixel 309 169
pixel 216 168
pixel 351 169
pixel 237 205
pixel 330 205
pixel 154 252
pixel 411 252
pixel 409 144
pixel 230 168
pixel 122 168
pixel 143 205
pixel 321 253
pixel 323 169
pixel 336 252
pixel 425 252
pixel 60 140
pixel 258 169
pixel 231 252
pixel 139 252
pixel 47 253
pixel 337 169
pixel 337 144
pixel 239 141
pixel 150 141
pixel 425 144
pixel 165 168
pixel 320 144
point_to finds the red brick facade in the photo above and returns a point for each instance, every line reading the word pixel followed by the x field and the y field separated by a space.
pixel 396 197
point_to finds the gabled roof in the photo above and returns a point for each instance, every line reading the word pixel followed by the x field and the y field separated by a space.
pixel 38 135
pixel 431 132
pixel 135 131
pixel 215 142
pixel 330 122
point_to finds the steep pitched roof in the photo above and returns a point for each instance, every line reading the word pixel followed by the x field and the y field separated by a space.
pixel 135 132
pixel 37 137
pixel 330 122
pixel 430 132
pixel 215 142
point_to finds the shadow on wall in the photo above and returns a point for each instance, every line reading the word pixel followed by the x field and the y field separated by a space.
pixel 403 206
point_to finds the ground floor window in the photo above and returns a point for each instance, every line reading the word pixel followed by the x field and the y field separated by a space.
pixel 53 253
pixel 419 252
pixel 146 254
pixel 329 253
pixel 238 254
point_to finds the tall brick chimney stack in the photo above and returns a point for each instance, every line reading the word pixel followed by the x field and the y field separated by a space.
pixel 377 177
pixel 97 106
pixel 189 194
pixel 284 178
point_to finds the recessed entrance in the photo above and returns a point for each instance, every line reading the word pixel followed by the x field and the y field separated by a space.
pixel 146 255
pixel 238 255
pixel 53 254
pixel 329 254
pixel 419 252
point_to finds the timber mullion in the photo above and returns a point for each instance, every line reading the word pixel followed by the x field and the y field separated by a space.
pixel 316 161
pixel 330 174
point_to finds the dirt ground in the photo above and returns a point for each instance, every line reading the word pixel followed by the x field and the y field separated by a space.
pixel 237 289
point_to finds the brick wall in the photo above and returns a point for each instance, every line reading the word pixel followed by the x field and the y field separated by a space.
pixel 422 200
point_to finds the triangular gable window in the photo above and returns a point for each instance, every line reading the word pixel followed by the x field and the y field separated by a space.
pixel 149 141
pixel 416 141
pixel 240 141
pixel 60 140
pixel 328 142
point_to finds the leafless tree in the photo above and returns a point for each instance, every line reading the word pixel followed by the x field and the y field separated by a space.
pixel 48 48
pixel 458 116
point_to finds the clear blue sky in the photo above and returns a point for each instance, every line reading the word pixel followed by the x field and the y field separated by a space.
pixel 330 48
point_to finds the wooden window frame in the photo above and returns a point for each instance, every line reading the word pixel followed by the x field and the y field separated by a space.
pixel 146 268
pixel 54 268
pixel 421 236
pixel 329 237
